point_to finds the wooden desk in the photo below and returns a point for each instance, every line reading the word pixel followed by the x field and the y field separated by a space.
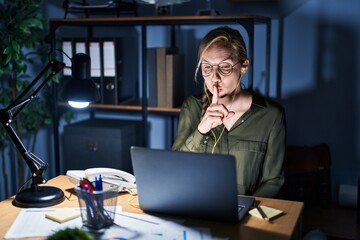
pixel 287 226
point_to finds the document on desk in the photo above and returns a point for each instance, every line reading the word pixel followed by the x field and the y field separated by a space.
pixel 151 227
pixel 33 223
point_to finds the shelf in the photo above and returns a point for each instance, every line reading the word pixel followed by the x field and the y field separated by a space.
pixel 127 108
pixel 164 110
pixel 156 20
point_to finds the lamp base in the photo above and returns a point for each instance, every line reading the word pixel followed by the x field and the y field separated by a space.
pixel 38 197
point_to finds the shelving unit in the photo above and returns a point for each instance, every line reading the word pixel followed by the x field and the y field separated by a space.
pixel 246 21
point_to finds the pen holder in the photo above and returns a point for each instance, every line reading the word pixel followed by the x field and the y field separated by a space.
pixel 98 207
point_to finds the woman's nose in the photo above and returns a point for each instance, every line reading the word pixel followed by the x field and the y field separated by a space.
pixel 216 76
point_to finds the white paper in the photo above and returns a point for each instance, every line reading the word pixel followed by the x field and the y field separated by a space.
pixel 151 227
pixel 33 223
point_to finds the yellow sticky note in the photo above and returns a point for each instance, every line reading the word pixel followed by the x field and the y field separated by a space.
pixel 63 215
pixel 269 212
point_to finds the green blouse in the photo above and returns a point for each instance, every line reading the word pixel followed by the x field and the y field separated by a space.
pixel 257 140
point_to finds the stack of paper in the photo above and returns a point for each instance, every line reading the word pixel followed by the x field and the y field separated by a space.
pixel 270 213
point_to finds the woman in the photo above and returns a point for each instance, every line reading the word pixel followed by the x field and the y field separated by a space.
pixel 226 119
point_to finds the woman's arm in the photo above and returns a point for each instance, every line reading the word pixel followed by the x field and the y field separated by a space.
pixel 273 168
pixel 188 137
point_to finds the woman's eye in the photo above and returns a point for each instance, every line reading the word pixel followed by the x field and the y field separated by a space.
pixel 207 67
pixel 225 67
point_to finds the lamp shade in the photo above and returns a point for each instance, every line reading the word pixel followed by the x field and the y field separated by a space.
pixel 80 87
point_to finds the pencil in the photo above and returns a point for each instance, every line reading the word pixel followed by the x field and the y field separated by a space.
pixel 262 213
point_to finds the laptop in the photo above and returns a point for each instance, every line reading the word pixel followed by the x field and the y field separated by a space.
pixel 195 185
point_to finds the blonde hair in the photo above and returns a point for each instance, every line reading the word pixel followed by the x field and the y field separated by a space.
pixel 224 37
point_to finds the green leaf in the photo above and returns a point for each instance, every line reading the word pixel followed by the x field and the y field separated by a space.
pixel 15 47
pixel 8 59
pixel 7 50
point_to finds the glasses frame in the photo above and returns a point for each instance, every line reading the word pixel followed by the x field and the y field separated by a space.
pixel 218 69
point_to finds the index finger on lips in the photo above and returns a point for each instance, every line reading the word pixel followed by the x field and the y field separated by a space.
pixel 215 95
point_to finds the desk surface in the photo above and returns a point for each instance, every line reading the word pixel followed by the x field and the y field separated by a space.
pixel 288 226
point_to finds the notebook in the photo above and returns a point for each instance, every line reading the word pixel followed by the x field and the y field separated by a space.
pixel 195 185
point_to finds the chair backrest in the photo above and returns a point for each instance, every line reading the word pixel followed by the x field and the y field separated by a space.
pixel 307 175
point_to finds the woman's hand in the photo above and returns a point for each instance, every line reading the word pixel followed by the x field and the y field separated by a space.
pixel 214 115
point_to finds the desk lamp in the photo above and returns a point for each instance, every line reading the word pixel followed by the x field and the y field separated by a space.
pixel 44 196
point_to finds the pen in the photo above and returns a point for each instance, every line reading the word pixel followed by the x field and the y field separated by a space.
pixel 262 213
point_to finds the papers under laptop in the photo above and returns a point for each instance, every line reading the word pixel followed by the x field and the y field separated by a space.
pixel 194 185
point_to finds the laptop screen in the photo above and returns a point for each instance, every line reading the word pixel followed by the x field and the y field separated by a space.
pixel 196 185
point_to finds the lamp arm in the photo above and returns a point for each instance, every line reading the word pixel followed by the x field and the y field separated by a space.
pixel 36 165
pixel 19 103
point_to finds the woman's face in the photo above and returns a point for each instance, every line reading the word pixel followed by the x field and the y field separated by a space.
pixel 227 77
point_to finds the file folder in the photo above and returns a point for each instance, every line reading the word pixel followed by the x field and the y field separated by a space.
pixel 95 70
pixel 80 46
pixel 109 67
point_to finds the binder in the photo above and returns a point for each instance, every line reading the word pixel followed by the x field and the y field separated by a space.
pixel 80 45
pixel 106 65
pixel 94 53
pixel 95 70
pixel 67 48
pixel 111 65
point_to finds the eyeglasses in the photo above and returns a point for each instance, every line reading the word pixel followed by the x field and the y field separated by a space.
pixel 223 68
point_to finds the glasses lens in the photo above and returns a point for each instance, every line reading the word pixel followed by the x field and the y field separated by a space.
pixel 206 69
pixel 225 68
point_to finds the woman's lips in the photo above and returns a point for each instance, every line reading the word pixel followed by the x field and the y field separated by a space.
pixel 217 87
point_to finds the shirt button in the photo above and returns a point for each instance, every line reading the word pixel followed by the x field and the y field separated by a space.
pixel 207 138
pixel 205 141
pixel 242 121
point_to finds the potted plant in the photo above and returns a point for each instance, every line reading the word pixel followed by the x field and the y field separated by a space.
pixel 22 46
pixel 70 234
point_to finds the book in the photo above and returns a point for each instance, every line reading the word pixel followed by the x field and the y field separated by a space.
pixel 156 65
pixel 174 80
pixel 165 77
pixel 270 213
pixel 161 76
